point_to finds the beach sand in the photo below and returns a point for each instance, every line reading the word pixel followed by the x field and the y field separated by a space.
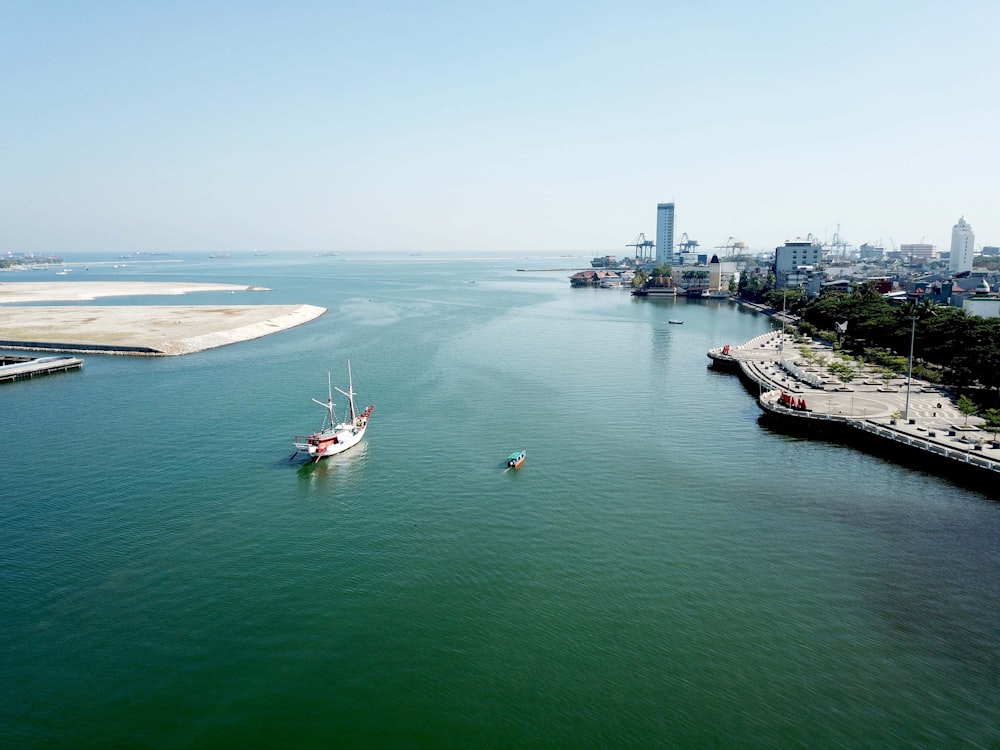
pixel 135 329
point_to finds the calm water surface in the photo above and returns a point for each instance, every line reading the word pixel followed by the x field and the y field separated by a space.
pixel 662 572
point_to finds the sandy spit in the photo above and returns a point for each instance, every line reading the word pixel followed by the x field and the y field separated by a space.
pixel 166 330
pixel 68 291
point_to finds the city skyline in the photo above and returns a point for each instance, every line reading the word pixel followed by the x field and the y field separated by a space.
pixel 182 127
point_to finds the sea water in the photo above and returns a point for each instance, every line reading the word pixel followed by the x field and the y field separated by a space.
pixel 663 571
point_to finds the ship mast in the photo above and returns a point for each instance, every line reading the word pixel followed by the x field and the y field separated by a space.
pixel 329 399
pixel 350 390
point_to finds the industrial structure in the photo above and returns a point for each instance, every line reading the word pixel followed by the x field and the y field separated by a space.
pixel 643 248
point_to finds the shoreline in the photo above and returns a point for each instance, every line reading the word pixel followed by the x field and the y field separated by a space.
pixel 865 413
pixel 69 291
pixel 135 330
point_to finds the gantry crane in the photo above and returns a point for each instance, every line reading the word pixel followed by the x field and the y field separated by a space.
pixel 644 249
pixel 686 245
pixel 732 247
pixel 838 245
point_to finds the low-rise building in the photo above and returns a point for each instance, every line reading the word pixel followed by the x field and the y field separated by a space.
pixel 720 274
pixel 983 303
pixel 918 252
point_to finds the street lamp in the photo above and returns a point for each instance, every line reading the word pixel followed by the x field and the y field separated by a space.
pixel 914 311
pixel 781 341
pixel 909 374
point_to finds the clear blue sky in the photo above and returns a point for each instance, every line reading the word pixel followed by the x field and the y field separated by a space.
pixel 521 126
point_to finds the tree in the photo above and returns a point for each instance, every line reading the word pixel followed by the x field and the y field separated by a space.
pixel 967 406
pixel 867 292
pixel 660 276
pixel 791 300
pixel 992 417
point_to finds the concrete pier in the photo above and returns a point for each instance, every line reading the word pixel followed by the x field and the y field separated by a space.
pixel 797 389
pixel 22 368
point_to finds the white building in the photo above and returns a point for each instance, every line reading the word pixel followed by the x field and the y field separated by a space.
pixel 665 233
pixel 871 252
pixel 918 252
pixel 792 256
pixel 982 303
pixel 963 241
pixel 720 273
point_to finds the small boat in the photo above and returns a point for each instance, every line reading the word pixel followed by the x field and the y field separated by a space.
pixel 334 437
pixel 515 460
pixel 676 322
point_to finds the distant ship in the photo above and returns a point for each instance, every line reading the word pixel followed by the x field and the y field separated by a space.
pixel 603 261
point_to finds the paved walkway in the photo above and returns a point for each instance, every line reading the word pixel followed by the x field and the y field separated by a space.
pixel 871 401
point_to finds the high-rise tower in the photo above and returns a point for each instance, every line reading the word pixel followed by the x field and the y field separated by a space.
pixel 963 241
pixel 664 233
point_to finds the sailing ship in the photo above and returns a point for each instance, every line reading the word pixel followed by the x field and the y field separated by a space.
pixel 335 437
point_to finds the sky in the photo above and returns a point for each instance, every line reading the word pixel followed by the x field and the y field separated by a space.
pixel 534 127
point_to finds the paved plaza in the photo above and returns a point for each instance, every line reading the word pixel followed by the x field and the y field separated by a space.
pixel 872 399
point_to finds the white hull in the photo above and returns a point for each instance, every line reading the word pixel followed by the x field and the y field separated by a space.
pixel 335 437
pixel 347 438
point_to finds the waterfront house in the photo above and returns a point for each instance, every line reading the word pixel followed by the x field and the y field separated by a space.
pixel 584 278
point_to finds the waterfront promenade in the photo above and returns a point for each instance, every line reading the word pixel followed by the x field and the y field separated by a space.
pixel 794 385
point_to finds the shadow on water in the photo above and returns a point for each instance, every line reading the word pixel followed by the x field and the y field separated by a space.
pixel 927 464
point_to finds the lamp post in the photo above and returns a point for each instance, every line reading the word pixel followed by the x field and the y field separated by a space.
pixel 909 374
pixel 781 341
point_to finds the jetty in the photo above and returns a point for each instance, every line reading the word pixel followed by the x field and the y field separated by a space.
pixel 21 368
pixel 888 414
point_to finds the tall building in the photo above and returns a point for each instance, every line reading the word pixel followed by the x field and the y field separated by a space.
pixel 795 259
pixel 665 233
pixel 963 241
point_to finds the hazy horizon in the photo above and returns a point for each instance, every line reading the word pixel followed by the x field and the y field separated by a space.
pixel 403 128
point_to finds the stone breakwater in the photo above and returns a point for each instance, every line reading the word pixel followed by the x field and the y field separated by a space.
pixel 801 390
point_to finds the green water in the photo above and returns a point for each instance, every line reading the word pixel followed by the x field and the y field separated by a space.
pixel 663 571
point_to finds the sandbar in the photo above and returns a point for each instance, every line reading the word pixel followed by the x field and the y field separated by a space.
pixel 68 291
pixel 151 330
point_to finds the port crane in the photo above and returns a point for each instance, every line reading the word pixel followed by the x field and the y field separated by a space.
pixel 686 245
pixel 838 245
pixel 644 249
pixel 732 247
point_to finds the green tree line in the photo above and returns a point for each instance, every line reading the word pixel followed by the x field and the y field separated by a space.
pixel 963 349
